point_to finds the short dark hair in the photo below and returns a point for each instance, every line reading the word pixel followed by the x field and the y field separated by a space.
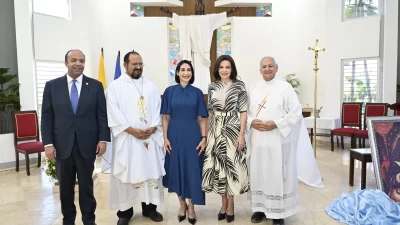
pixel 66 54
pixel 178 68
pixel 126 57
pixel 234 73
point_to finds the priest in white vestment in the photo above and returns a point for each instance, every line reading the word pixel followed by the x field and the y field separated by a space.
pixel 274 117
pixel 195 37
pixel 137 166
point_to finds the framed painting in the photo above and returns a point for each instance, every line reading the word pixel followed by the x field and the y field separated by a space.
pixel 384 137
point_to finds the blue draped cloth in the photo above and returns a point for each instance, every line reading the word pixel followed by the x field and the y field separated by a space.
pixel 365 207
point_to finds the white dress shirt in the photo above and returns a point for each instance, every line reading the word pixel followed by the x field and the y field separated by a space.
pixel 78 84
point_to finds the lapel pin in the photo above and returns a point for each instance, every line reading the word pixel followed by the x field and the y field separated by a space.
pixel 87 84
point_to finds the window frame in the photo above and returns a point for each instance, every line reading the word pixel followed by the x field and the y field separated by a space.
pixel 379 80
pixel 38 63
pixel 343 8
pixel 69 11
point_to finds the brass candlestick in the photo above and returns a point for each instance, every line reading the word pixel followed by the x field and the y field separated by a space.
pixel 316 50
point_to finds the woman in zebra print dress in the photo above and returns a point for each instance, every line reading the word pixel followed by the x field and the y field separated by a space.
pixel 225 169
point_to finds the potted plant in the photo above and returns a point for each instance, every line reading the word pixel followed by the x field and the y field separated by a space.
pixel 9 99
pixel 292 80
pixel 50 170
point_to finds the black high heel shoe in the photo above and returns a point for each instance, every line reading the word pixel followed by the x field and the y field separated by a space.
pixel 230 218
pixel 182 218
pixel 191 220
pixel 221 216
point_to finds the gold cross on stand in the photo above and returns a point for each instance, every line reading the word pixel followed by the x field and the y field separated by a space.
pixel 316 50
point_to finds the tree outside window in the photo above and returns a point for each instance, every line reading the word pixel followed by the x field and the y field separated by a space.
pixel 360 8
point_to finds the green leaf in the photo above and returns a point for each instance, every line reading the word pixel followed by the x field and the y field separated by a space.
pixel 9 98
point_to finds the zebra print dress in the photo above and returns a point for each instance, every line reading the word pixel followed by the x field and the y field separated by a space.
pixel 225 169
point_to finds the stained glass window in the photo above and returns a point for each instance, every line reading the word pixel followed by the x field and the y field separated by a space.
pixel 174 55
pixel 264 11
pixel 224 40
pixel 137 10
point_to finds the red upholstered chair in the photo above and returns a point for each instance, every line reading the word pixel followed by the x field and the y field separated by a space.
pixel 371 109
pixel 351 121
pixel 26 128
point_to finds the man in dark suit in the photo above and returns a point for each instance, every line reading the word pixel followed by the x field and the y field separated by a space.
pixel 74 129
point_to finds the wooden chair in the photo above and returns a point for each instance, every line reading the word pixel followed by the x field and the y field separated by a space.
pixel 26 128
pixel 395 107
pixel 371 109
pixel 351 118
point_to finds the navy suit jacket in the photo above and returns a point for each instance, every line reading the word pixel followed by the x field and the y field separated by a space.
pixel 59 124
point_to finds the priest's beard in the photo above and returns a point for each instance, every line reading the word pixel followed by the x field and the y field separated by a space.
pixel 136 74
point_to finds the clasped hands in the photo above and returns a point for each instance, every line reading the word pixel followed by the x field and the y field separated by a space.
pixel 263 126
pixel 143 134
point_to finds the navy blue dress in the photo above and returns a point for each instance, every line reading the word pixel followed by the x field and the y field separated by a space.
pixel 184 166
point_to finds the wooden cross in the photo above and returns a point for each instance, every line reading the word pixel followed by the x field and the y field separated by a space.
pixel 201 7
pixel 199 10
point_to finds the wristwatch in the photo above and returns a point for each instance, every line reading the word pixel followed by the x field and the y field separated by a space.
pixel 205 137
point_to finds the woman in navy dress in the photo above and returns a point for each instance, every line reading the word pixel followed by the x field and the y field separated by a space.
pixel 184 120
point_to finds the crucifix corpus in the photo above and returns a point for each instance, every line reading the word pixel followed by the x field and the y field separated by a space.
pixel 195 33
pixel 316 50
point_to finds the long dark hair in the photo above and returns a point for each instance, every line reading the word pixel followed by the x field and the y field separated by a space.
pixel 178 68
pixel 234 73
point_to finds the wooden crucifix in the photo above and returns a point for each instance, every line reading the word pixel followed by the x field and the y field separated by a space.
pixel 201 7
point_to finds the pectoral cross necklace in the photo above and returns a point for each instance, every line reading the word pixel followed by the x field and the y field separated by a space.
pixel 141 93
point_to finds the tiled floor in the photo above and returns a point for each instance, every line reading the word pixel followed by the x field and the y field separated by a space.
pixel 30 200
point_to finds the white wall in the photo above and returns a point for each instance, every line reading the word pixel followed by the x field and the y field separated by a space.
pixel 115 30
pixel 8 52
pixel 54 36
pixel 390 48
pixel 357 38
pixel 287 35
pixel 97 24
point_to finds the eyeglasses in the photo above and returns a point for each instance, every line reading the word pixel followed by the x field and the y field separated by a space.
pixel 138 64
